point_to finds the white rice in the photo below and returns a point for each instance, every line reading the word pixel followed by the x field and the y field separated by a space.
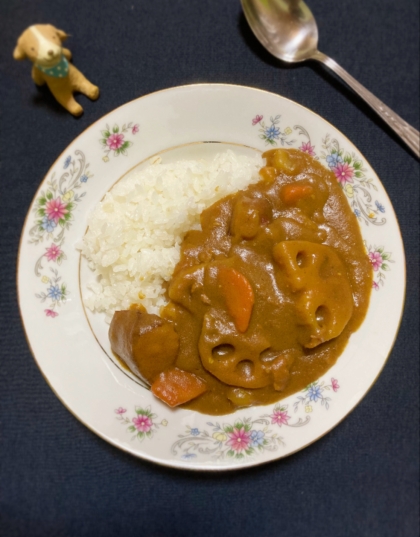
pixel 134 236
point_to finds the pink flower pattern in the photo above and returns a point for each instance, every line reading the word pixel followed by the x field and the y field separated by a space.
pixel 344 173
pixel 334 385
pixel 280 417
pixel 115 141
pixel 257 119
pixel 376 260
pixel 239 439
pixel 142 423
pixel 308 148
pixel 380 260
pixel 50 313
pixel 55 209
pixel 53 252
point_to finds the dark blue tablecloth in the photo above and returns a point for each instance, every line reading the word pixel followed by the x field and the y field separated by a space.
pixel 56 477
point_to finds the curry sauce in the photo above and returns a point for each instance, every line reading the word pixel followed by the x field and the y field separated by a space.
pixel 264 298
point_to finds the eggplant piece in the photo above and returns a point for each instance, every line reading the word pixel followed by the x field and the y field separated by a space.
pixel 146 343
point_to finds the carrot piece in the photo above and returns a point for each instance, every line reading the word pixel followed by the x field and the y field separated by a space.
pixel 238 294
pixel 175 386
pixel 292 193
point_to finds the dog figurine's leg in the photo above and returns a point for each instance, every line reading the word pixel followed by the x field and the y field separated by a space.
pixel 37 76
pixel 67 100
pixel 82 84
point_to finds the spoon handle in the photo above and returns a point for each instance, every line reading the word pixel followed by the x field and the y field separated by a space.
pixel 407 133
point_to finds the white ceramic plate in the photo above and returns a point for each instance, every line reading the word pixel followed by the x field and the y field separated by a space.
pixel 71 347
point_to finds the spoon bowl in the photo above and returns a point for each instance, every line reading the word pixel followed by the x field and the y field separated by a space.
pixel 288 30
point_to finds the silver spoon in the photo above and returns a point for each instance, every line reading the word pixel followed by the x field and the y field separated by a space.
pixel 288 30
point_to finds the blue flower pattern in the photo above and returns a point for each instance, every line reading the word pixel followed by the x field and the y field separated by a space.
pixel 272 132
pixel 314 393
pixel 48 224
pixel 54 292
pixel 257 438
pixel 380 207
pixel 67 162
pixel 334 159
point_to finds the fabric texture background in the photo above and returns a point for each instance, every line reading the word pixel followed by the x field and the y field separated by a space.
pixel 56 477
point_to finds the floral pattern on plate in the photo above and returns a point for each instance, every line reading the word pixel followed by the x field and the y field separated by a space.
pixel 248 437
pixel 271 133
pixel 352 176
pixel 314 393
pixel 55 291
pixel 243 438
pixel 380 260
pixel 143 424
pixel 113 139
pixel 54 208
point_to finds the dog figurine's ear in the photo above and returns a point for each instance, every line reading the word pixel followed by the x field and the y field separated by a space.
pixel 62 34
pixel 18 53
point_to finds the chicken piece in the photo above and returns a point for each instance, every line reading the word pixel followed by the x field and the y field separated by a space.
pixel 146 343
pixel 248 215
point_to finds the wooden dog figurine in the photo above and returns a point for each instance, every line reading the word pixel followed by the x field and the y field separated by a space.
pixel 41 43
